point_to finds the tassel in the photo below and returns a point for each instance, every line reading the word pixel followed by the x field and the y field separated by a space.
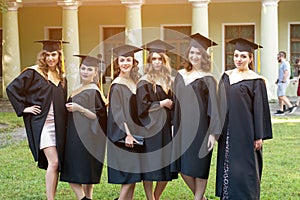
pixel 62 58
pixel 112 64
pixel 258 60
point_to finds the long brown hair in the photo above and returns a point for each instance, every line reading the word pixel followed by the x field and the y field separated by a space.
pixel 251 64
pixel 165 72
pixel 41 62
pixel 134 73
pixel 205 60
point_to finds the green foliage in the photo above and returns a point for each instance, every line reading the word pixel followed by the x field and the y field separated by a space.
pixel 21 179
pixel 3 6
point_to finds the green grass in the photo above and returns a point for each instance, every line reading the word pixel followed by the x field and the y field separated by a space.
pixel 21 179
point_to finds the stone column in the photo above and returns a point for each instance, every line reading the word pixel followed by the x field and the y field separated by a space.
pixel 133 27
pixel 71 35
pixel 200 17
pixel 269 40
pixel 11 48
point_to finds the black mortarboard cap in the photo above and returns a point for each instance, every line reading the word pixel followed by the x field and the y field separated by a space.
pixel 158 46
pixel 199 40
pixel 242 44
pixel 89 60
pixel 52 45
pixel 126 50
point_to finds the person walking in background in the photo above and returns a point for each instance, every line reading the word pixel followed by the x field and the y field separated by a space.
pixel 86 132
pixel 282 82
pixel 247 124
pixel 39 95
pixel 297 61
pixel 196 121
pixel 154 95
pixel 123 161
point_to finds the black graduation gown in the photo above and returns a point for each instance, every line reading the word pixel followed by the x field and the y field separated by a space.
pixel 31 88
pixel 123 163
pixel 85 140
pixel 148 102
pixel 195 118
pixel 239 166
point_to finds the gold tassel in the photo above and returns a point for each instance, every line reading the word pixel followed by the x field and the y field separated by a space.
pixel 62 58
pixel 145 56
pixel 112 64
pixel 101 80
pixel 258 60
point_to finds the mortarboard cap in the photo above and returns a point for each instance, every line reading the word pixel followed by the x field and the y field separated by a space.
pixel 126 50
pixel 244 45
pixel 199 40
pixel 158 46
pixel 89 60
pixel 52 45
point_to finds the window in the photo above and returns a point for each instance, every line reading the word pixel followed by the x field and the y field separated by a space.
pixel 294 46
pixel 232 32
pixel 174 35
pixel 112 37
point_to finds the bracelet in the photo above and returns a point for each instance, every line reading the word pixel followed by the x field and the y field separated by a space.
pixel 82 111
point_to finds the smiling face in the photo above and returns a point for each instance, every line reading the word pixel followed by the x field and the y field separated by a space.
pixel 87 73
pixel 52 59
pixel 241 60
pixel 194 56
pixel 125 64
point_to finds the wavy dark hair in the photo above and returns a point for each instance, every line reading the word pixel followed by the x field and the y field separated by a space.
pixel 134 73
pixel 205 60
pixel 41 62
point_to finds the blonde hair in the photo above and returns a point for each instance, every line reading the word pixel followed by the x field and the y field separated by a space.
pixel 165 71
pixel 41 62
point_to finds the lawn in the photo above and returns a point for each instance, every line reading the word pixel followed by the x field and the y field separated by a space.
pixel 21 179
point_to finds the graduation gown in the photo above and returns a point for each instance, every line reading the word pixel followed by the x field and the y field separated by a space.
pixel 195 118
pixel 86 138
pixel 31 88
pixel 148 102
pixel 239 166
pixel 123 163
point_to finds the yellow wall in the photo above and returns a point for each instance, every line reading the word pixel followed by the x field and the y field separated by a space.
pixel 32 21
pixel 230 13
pixel 288 12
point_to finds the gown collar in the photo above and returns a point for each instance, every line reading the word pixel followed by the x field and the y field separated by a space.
pixel 126 82
pixel 236 76
pixel 191 76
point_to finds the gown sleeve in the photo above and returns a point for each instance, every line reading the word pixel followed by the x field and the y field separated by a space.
pixel 116 116
pixel 101 113
pixel 17 89
pixel 215 126
pixel 262 118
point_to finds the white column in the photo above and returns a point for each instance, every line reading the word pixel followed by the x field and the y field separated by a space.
pixel 269 40
pixel 11 47
pixel 133 29
pixel 71 35
pixel 200 17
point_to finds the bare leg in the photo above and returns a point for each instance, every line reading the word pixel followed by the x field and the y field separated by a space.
pixel 200 186
pixel 88 190
pixel 298 101
pixel 127 191
pixel 284 100
pixel 159 188
pixel 52 171
pixel 190 181
pixel 78 190
pixel 148 187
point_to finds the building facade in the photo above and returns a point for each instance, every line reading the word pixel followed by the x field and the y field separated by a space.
pixel 95 26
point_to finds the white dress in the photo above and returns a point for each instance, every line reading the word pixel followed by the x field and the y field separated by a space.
pixel 48 133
